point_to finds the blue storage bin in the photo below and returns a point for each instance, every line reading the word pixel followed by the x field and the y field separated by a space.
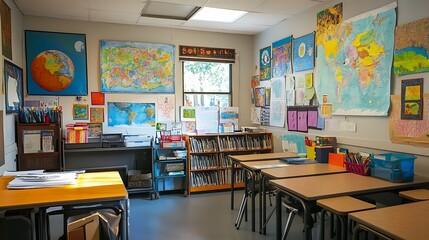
pixel 394 167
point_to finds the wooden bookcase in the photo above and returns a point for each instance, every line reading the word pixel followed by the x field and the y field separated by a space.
pixel 39 146
pixel 209 167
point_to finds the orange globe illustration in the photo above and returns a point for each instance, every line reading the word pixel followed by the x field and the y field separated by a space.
pixel 52 70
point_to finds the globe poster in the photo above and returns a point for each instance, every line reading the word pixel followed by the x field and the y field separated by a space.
pixel 56 63
pixel 126 114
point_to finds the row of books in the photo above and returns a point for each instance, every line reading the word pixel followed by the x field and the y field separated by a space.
pixel 38 141
pixel 212 178
pixel 201 162
pixel 260 142
pixel 203 145
pixel 39 115
pixel 232 143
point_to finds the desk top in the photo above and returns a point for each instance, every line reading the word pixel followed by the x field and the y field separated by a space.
pixel 416 194
pixel 258 165
pixel 334 185
pixel 89 188
pixel 262 156
pixel 406 221
pixel 302 170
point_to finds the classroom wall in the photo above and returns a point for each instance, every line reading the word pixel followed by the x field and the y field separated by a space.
pixel 372 132
pixel 9 119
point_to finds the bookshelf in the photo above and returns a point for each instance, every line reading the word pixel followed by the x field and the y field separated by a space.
pixel 209 166
pixel 39 146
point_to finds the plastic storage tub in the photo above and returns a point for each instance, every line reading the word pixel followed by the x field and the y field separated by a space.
pixel 394 167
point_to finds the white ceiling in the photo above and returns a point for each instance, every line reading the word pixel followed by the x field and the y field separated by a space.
pixel 262 13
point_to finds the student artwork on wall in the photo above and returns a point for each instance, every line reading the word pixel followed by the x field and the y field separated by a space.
pixel 302 119
pixel 406 131
pixel 278 102
pixel 131 114
pixel 95 130
pixel 255 81
pixel 282 57
pixel 292 119
pixel 411 48
pixel 152 67
pixel 165 106
pixel 229 115
pixel 187 114
pixel 97 98
pixel 13 87
pixel 313 117
pixel 56 63
pixel 265 116
pixel 290 90
pixel 412 99
pixel 303 53
pixel 267 96
pixel 6 30
pixel 255 115
pixel 80 112
pixel 265 63
pixel 96 114
pixel 260 96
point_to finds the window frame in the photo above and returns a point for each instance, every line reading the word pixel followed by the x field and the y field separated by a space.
pixel 230 92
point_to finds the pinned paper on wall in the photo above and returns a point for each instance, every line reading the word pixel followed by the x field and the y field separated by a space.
pixel 187 114
pixel 165 107
pixel 207 120
pixel 228 115
pixel 292 121
pixel 255 115
pixel 302 117
pixel 326 110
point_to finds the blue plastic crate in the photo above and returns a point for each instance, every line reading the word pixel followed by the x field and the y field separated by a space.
pixel 392 175
pixel 393 167
pixel 394 161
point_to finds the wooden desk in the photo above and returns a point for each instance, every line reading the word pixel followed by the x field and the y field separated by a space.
pixel 309 189
pixel 237 159
pixel 293 171
pixel 90 188
pixel 416 194
pixel 406 221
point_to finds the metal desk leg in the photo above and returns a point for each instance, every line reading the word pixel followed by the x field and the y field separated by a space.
pixel 261 202
pixel 279 215
pixel 253 194
pixel 232 183
pixel 125 219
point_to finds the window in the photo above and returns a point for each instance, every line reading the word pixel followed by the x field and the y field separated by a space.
pixel 207 84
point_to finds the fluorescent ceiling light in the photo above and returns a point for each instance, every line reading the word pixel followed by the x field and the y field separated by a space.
pixel 217 15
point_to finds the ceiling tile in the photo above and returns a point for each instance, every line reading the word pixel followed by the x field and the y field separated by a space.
pixel 128 6
pixel 159 22
pixel 113 17
pixel 261 18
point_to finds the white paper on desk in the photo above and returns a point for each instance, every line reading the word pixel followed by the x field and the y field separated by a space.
pixel 271 166
pixel 18 183
pixel 14 173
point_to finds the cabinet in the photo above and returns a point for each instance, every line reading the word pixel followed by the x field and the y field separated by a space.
pixel 133 163
pixel 209 166
pixel 39 146
pixel 170 169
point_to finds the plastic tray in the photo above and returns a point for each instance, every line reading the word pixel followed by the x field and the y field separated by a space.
pixel 403 162
pixel 394 175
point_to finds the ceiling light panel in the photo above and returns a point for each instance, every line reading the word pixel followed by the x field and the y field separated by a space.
pixel 217 15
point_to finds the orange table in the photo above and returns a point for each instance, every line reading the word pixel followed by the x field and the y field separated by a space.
pixel 97 187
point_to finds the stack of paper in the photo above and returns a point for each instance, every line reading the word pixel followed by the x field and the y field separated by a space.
pixel 298 160
pixel 42 180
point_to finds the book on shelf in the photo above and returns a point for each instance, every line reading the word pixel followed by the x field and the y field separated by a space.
pixel 32 141
pixel 47 141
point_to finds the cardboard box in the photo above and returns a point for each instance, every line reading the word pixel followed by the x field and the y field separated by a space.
pixel 86 228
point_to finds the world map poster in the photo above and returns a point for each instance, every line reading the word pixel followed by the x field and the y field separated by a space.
pixel 125 114
pixel 136 67
pixel 354 63
pixel 411 48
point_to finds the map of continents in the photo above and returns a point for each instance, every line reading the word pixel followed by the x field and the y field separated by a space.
pixel 136 67
pixel 122 114
pixel 354 65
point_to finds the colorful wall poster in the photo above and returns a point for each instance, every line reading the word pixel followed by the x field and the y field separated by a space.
pixel 411 48
pixel 165 106
pixel 303 53
pixel 282 57
pixel 255 81
pixel 229 115
pixel 265 116
pixel 412 99
pixel 406 131
pixel 13 87
pixel 56 63
pixel 136 67
pixel 130 114
pixel 260 96
pixel 328 22
pixel 97 98
pixel 96 114
pixel 265 63
pixel 95 130
pixel 292 119
pixel 355 69
pixel 80 112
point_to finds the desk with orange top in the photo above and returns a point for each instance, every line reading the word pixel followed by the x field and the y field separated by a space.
pixel 90 188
